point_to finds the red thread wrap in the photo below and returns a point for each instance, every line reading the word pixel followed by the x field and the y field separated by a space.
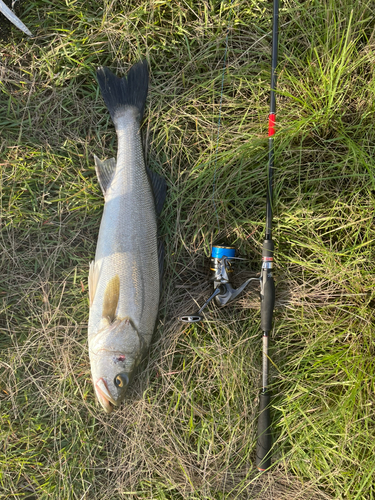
pixel 271 124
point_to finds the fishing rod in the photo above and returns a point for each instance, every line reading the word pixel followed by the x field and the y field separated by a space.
pixel 222 260
pixel 267 285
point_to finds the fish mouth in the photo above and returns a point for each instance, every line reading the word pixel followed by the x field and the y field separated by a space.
pixel 104 396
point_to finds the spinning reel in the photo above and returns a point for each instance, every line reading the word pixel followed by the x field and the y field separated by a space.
pixel 221 266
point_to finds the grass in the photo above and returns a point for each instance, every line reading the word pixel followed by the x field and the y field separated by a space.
pixel 188 429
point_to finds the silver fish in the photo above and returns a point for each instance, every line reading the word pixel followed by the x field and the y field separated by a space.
pixel 125 278
pixel 4 9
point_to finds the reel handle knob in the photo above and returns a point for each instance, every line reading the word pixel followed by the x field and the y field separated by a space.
pixel 191 318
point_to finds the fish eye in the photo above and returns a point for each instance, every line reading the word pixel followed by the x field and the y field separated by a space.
pixel 121 380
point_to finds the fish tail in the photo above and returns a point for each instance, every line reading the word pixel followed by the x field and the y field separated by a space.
pixel 121 93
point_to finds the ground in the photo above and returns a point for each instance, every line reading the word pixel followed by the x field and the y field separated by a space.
pixel 188 427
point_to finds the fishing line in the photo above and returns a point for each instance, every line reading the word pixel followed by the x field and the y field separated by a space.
pixel 219 120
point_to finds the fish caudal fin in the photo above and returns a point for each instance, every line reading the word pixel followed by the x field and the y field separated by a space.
pixel 129 91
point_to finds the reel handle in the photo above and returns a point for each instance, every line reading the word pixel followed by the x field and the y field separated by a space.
pixel 196 317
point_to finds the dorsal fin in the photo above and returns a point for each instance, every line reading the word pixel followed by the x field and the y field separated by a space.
pixel 105 171
pixel 93 280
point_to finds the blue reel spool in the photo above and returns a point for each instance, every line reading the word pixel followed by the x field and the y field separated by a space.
pixel 219 251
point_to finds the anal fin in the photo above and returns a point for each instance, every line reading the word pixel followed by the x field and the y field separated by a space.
pixel 161 262
pixel 159 188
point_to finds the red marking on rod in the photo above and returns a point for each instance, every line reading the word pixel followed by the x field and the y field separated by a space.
pixel 271 124
pixel 267 259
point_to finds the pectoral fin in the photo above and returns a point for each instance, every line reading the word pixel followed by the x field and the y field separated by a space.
pixel 111 298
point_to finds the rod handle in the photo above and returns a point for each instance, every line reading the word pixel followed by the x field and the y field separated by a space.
pixel 267 303
pixel 264 443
